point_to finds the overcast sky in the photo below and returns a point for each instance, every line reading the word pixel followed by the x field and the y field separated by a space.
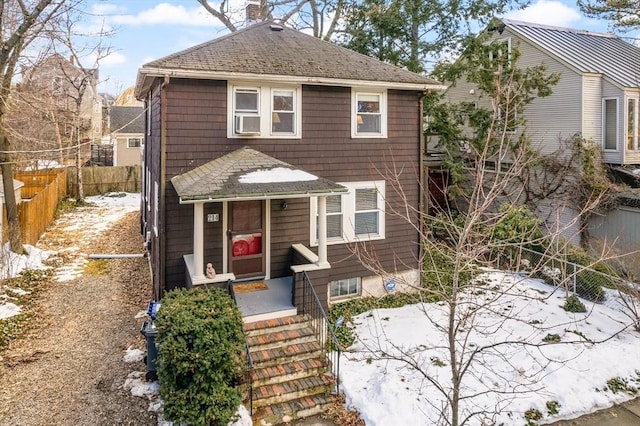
pixel 146 30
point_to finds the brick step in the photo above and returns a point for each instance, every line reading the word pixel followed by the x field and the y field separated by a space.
pixel 283 335
pixel 287 411
pixel 285 354
pixel 291 390
pixel 274 325
pixel 261 376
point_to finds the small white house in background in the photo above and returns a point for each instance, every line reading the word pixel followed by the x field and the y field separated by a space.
pixel 17 189
pixel 126 126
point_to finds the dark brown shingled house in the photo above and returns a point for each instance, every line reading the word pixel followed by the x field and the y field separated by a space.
pixel 264 156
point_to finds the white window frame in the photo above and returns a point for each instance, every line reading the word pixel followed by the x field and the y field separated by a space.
pixel 498 41
pixel 617 124
pixel 348 215
pixel 636 128
pixel 132 138
pixel 354 114
pixel 156 197
pixel 265 111
pixel 349 281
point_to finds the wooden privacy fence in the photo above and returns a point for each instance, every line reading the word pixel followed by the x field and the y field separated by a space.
pixel 100 180
pixel 41 193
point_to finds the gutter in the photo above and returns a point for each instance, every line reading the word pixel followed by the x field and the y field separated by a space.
pixel 145 74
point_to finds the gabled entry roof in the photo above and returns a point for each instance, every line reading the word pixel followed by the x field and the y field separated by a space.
pixel 249 174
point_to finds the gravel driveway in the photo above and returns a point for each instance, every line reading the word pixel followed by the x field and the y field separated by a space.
pixel 69 369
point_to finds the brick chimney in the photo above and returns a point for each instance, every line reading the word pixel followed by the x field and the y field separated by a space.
pixel 256 11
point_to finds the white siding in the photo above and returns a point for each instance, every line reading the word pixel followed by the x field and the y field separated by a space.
pixel 557 116
pixel 592 108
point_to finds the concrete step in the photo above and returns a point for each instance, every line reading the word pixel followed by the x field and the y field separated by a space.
pixel 287 411
pixel 274 325
pixel 289 371
pixel 282 335
pixel 285 353
pixel 294 389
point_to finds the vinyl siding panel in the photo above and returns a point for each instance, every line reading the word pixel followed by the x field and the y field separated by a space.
pixel 558 116
pixel 592 108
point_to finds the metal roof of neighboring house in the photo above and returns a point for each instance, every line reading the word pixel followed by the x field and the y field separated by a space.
pixel 126 119
pixel 269 51
pixel 249 174
pixel 589 52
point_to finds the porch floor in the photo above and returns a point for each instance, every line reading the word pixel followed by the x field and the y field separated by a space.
pixel 274 302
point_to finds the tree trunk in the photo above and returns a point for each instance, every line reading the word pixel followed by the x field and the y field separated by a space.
pixel 15 239
pixel 80 197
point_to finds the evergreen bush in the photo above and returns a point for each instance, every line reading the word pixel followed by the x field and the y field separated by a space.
pixel 200 356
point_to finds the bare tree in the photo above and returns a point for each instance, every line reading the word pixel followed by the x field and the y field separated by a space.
pixel 319 16
pixel 79 78
pixel 491 228
pixel 21 21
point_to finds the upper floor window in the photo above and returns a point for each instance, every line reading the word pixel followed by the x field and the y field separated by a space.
pixel 500 49
pixel 355 216
pixel 369 114
pixel 632 125
pixel 610 124
pixel 134 142
pixel 264 112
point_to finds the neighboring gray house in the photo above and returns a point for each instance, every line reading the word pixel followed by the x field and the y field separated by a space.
pixel 596 97
pixel 126 134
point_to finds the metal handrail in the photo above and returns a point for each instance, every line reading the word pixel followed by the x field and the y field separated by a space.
pixel 323 329
pixel 249 365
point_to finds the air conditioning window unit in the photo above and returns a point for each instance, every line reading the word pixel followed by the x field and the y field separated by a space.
pixel 247 124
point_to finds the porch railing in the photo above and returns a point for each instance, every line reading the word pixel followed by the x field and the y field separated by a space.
pixel 248 380
pixel 323 329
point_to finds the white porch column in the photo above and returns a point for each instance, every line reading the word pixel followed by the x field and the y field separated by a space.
pixel 198 240
pixel 322 231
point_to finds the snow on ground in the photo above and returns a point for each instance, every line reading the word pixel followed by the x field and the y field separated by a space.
pixel 98 216
pixel 83 223
pixel 509 380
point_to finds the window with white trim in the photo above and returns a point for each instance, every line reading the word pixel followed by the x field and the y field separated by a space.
pixel 369 118
pixel 260 111
pixel 632 124
pixel 156 199
pixel 500 49
pixel 610 124
pixel 350 287
pixel 134 142
pixel 357 215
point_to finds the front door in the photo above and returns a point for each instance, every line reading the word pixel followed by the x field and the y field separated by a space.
pixel 246 257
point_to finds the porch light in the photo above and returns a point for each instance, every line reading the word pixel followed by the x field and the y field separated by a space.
pixel 284 205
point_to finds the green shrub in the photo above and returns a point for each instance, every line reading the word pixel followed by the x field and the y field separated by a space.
pixel 573 304
pixel 350 308
pixel 553 407
pixel 532 415
pixel 200 356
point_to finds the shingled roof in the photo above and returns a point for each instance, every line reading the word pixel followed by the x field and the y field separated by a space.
pixel 587 51
pixel 272 51
pixel 126 119
pixel 247 173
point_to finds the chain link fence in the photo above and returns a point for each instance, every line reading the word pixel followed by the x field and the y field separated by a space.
pixel 582 280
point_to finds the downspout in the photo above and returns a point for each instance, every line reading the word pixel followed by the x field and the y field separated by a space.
pixel 421 200
pixel 162 184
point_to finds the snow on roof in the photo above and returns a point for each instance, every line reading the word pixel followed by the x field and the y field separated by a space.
pixel 277 175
